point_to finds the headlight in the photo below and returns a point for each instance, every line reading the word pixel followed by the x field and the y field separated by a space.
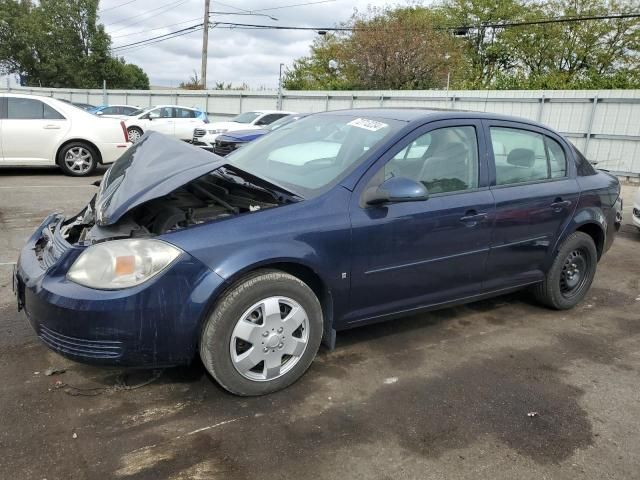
pixel 218 130
pixel 121 263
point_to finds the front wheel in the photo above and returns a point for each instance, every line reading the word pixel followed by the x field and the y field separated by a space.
pixel 78 159
pixel 263 334
pixel 571 274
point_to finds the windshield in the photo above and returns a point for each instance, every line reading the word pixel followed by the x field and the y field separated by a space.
pixel 246 117
pixel 312 154
pixel 136 112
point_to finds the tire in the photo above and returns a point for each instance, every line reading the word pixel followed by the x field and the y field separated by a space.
pixel 78 159
pixel 134 134
pixel 571 274
pixel 249 352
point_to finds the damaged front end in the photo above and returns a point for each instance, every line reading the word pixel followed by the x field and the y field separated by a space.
pixel 105 286
pixel 161 186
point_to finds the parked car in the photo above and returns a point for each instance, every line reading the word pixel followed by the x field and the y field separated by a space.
pixel 82 106
pixel 226 143
pixel 636 210
pixel 252 260
pixel 172 120
pixel 38 131
pixel 114 111
pixel 205 137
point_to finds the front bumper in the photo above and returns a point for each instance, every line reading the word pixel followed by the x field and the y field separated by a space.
pixel 206 141
pixel 153 324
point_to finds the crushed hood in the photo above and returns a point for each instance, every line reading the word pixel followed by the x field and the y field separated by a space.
pixel 153 167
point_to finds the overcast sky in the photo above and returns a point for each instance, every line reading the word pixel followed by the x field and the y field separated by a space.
pixel 236 55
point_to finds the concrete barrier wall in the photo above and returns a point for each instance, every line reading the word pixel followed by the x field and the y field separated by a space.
pixel 603 124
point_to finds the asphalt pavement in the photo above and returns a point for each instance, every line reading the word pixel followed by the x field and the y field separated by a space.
pixel 499 389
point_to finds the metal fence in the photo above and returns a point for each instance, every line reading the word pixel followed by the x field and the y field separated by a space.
pixel 603 124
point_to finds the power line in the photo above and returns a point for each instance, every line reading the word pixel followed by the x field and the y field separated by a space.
pixel 156 29
pixel 161 9
pixel 140 47
pixel 233 6
pixel 453 28
pixel 294 5
pixel 197 27
pixel 102 10
pixel 170 34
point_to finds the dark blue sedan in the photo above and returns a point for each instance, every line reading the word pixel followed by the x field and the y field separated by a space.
pixel 334 221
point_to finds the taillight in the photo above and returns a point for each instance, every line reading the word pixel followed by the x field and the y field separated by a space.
pixel 124 131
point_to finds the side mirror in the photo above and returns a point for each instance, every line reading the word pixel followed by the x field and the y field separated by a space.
pixel 395 190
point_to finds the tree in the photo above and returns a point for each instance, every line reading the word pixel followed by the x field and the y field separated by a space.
pixel 589 54
pixel 415 47
pixel 485 51
pixel 58 43
pixel 387 49
pixel 194 83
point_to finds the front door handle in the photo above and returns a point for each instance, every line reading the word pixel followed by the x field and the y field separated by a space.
pixel 472 217
pixel 560 204
pixel 51 127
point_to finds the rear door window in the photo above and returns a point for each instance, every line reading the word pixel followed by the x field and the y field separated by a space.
pixel 30 109
pixel 184 113
pixel 524 156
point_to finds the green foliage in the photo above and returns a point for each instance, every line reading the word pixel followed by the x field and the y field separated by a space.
pixel 58 43
pixel 388 49
pixel 408 48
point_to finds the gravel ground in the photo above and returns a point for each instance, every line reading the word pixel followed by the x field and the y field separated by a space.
pixel 439 395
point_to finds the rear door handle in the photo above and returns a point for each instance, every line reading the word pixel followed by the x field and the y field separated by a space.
pixel 51 127
pixel 472 217
pixel 559 204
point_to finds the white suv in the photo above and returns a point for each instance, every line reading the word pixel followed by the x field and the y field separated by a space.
pixel 635 214
pixel 205 137
pixel 38 131
pixel 172 120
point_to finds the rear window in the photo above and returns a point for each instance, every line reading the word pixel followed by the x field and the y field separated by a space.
pixel 583 165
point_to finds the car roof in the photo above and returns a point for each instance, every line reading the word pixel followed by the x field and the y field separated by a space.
pixel 173 106
pixel 262 112
pixel 424 114
pixel 117 105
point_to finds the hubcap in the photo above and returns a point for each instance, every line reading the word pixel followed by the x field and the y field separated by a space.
pixel 78 159
pixel 134 135
pixel 574 273
pixel 269 339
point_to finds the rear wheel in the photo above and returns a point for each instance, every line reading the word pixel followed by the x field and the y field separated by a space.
pixel 263 334
pixel 571 274
pixel 134 134
pixel 78 159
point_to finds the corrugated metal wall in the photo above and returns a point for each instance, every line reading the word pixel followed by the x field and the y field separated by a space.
pixel 604 124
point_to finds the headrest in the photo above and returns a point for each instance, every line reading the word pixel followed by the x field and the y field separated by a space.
pixel 521 157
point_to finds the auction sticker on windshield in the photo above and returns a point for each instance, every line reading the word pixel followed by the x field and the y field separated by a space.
pixel 371 125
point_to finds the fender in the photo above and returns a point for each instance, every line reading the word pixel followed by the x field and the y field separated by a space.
pixel 315 235
pixel 584 215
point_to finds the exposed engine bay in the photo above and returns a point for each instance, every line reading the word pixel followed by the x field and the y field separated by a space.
pixel 217 195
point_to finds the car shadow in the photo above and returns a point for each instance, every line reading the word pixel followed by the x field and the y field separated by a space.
pixel 43 171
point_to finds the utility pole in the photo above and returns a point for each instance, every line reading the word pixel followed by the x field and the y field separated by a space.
pixel 280 88
pixel 205 44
